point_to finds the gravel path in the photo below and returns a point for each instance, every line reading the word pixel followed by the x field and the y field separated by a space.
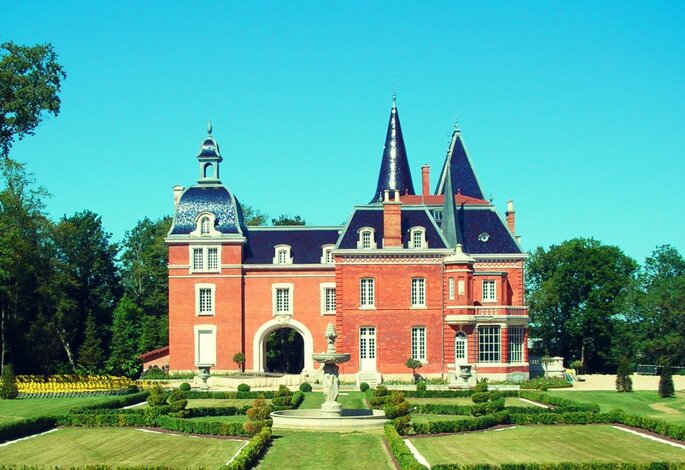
pixel 608 382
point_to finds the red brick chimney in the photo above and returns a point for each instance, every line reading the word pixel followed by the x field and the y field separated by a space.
pixel 392 220
pixel 511 217
pixel 425 180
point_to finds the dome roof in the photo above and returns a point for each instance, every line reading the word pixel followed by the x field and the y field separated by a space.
pixel 215 199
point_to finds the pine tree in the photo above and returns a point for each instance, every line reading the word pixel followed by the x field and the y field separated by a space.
pixel 666 389
pixel 90 354
pixel 125 333
pixel 9 389
pixel 623 381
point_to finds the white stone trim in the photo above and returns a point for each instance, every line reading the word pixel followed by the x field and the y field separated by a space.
pixel 322 289
pixel 361 233
pixel 325 249
pixel 205 257
pixel 278 249
pixel 212 287
pixel 291 289
pixel 213 232
pixel 422 231
pixel 259 342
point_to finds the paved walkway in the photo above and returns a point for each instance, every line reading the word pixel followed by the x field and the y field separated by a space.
pixel 608 382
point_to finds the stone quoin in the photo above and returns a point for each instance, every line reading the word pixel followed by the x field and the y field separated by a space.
pixel 436 277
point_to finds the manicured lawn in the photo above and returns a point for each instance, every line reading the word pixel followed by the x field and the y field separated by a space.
pixel 69 447
pixel 211 403
pixel 508 401
pixel 419 418
pixel 12 410
pixel 351 451
pixel 641 403
pixel 349 400
pixel 546 444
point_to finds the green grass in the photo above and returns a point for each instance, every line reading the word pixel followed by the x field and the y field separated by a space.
pixel 350 400
pixel 69 447
pixel 222 419
pixel 641 403
pixel 546 444
pixel 211 403
pixel 508 401
pixel 351 451
pixel 12 410
pixel 420 418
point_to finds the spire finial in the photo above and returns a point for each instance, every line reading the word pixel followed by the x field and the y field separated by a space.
pixel 394 99
pixel 456 126
pixel 209 128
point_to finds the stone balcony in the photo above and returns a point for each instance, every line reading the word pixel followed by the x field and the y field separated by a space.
pixel 512 315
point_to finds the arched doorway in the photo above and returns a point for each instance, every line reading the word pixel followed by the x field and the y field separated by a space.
pixel 259 342
pixel 284 351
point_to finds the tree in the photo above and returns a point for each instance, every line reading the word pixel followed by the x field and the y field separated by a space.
pixel 90 354
pixel 623 381
pixel 30 80
pixel 413 364
pixel 124 346
pixel 577 291
pixel 666 389
pixel 239 359
pixel 287 220
pixel 8 389
pixel 252 216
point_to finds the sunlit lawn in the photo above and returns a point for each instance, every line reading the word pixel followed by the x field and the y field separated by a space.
pixel 70 447
pixel 348 400
pixel 642 403
pixel 508 401
pixel 545 444
pixel 12 410
pixel 351 451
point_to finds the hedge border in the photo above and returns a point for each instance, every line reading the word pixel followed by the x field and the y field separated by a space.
pixel 249 454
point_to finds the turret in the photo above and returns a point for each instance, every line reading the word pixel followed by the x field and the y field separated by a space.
pixel 463 177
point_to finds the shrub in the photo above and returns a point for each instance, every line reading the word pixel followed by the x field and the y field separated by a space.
pixel 239 359
pixel 185 387
pixel 363 386
pixel 543 383
pixel 25 427
pixel 243 388
pixel 400 450
pixel 297 399
pixel 666 389
pixel 252 451
pixel 157 397
pixel 305 387
pixel 482 386
pixel 487 408
pixel 9 389
pixel 413 364
pixel 397 409
pixel 283 397
pixel 495 395
pixel 154 372
pixel 480 397
pixel 380 395
pixel 623 381
pixel 421 386
pixel 258 417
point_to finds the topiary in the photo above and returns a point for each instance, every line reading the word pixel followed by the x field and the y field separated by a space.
pixel 397 409
pixel 482 386
pixel 623 381
pixel 495 395
pixel 666 389
pixel 282 397
pixel 158 397
pixel 421 386
pixel 9 389
pixel 243 388
pixel 363 386
pixel 480 397
pixel 380 395
pixel 185 387
pixel 258 416
pixel 305 387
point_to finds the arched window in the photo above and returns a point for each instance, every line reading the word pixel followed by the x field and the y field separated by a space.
pixel 327 254
pixel 282 254
pixel 204 226
pixel 460 348
pixel 366 239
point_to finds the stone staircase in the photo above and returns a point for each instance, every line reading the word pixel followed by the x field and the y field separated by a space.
pixel 371 378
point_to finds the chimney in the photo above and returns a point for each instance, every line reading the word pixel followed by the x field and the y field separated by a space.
pixel 511 217
pixel 425 180
pixel 178 190
pixel 392 220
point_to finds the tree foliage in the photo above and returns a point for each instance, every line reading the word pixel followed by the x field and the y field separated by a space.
pixel 284 219
pixel 252 216
pixel 30 81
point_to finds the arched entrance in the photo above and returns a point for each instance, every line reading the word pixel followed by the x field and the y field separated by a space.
pixel 284 351
pixel 261 337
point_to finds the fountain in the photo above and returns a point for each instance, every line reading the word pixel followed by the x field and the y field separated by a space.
pixel 331 415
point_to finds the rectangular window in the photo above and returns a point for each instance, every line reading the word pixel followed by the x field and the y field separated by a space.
pixel 366 292
pixel 461 287
pixel 417 239
pixel 282 300
pixel 212 259
pixel 329 256
pixel 205 301
pixel 489 292
pixel 366 240
pixel 450 283
pixel 418 343
pixel 282 256
pixel 198 259
pixel 488 344
pixel 329 301
pixel 515 344
pixel 418 292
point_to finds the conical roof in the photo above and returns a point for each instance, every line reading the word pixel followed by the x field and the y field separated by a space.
pixel 463 178
pixel 394 174
pixel 450 223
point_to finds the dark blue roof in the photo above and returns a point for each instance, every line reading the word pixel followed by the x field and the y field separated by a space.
pixel 215 199
pixel 305 244
pixel 394 174
pixel 473 223
pixel 373 217
pixel 464 179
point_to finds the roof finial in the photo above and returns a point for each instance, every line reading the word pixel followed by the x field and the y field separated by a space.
pixel 209 128
pixel 394 99
pixel 456 126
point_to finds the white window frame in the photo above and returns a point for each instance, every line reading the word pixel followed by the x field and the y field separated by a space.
pixel 372 240
pixel 421 232
pixel 197 329
pixel 489 344
pixel 516 339
pixel 418 343
pixel 205 258
pixel 418 292
pixel 462 340
pixel 291 297
pixel 450 288
pixel 198 226
pixel 327 254
pixel 461 287
pixel 325 289
pixel 489 294
pixel 198 288
pixel 367 293
pixel 282 255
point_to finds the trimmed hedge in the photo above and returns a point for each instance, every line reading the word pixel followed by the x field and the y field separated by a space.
pixel 117 402
pixel 212 428
pixel 452 393
pixel 672 430
pixel 565 466
pixel 217 411
pixel 461 425
pixel 566 404
pixel 400 450
pixel 198 395
pixel 249 455
pixel 25 427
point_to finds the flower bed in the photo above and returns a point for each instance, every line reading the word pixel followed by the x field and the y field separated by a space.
pixel 32 386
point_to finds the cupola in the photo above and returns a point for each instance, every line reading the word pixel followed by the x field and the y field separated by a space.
pixel 209 158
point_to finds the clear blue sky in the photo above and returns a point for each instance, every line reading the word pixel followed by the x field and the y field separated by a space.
pixel 575 110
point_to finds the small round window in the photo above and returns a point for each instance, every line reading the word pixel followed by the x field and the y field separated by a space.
pixel 483 237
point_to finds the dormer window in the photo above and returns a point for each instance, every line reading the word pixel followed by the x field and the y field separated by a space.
pixel 327 254
pixel 204 226
pixel 417 238
pixel 366 240
pixel 282 254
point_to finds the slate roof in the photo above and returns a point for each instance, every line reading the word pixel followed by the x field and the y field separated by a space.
pixel 394 174
pixel 215 199
pixel 372 216
pixel 473 223
pixel 305 243
pixel 464 180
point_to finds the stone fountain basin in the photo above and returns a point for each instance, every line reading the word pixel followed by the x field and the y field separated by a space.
pixel 331 358
pixel 314 419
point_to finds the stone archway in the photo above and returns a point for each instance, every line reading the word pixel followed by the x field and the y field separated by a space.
pixel 284 351
pixel 260 337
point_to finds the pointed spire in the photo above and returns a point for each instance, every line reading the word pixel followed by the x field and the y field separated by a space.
pixel 394 174
pixel 462 175
pixel 450 223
